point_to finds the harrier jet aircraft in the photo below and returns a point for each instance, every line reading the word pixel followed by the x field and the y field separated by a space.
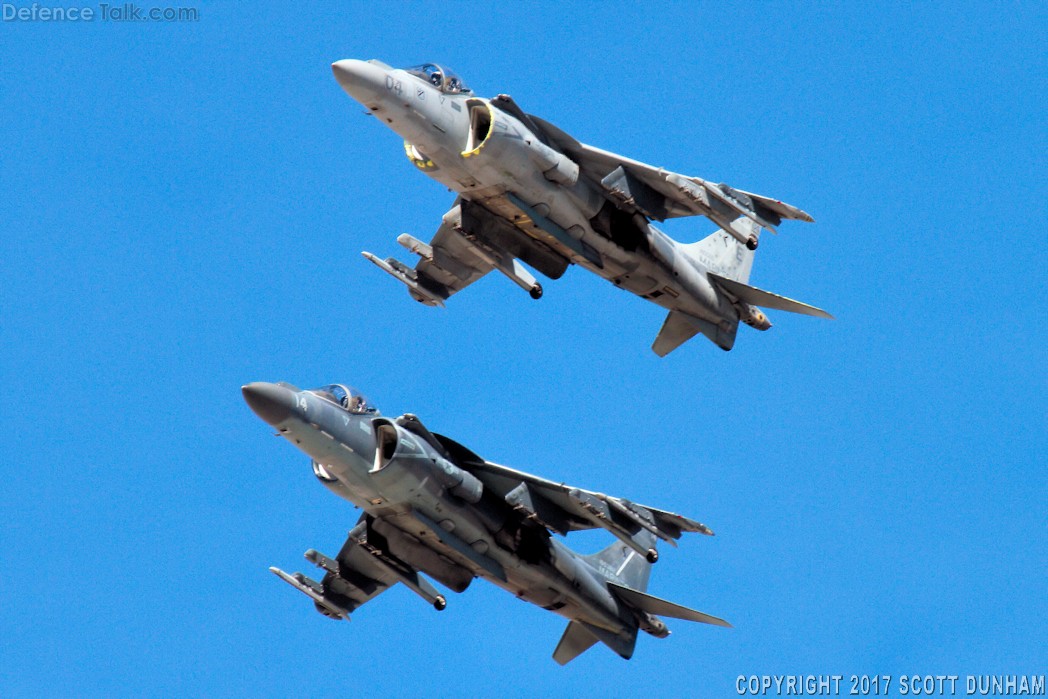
pixel 432 506
pixel 528 192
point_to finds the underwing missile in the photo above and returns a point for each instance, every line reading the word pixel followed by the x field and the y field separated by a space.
pixel 321 561
pixel 416 246
pixel 312 589
pixel 598 512
pixel 401 273
pixel 411 578
pixel 708 199
pixel 510 267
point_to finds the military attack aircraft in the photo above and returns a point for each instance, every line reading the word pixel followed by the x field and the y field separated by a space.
pixel 433 506
pixel 528 192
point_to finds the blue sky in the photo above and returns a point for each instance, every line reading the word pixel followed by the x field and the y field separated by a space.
pixel 183 209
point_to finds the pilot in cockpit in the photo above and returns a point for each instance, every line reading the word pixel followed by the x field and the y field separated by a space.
pixel 347 397
pixel 443 79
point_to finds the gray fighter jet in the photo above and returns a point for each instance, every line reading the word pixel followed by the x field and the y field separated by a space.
pixel 528 192
pixel 433 506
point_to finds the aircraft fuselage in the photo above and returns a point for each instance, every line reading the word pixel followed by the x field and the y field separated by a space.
pixel 395 475
pixel 492 159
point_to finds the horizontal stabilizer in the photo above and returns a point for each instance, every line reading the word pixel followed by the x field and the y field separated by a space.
pixel 765 299
pixel 623 645
pixel 660 607
pixel 676 330
pixel 575 641
pixel 680 327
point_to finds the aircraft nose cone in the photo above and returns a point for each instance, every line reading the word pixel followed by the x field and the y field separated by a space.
pixel 272 403
pixel 362 80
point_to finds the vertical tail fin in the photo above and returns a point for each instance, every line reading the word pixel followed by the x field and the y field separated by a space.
pixel 624 562
pixel 725 255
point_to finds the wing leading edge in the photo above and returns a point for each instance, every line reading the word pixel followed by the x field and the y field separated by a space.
pixel 660 194
pixel 563 508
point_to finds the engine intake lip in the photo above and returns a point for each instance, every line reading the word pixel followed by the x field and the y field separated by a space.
pixel 387 440
pixel 481 124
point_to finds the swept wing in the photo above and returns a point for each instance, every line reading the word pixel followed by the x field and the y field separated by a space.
pixel 660 194
pixel 447 264
pixel 563 508
pixel 363 569
pixel 352 578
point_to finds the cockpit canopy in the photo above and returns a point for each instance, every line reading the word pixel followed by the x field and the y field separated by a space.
pixel 346 396
pixel 444 79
